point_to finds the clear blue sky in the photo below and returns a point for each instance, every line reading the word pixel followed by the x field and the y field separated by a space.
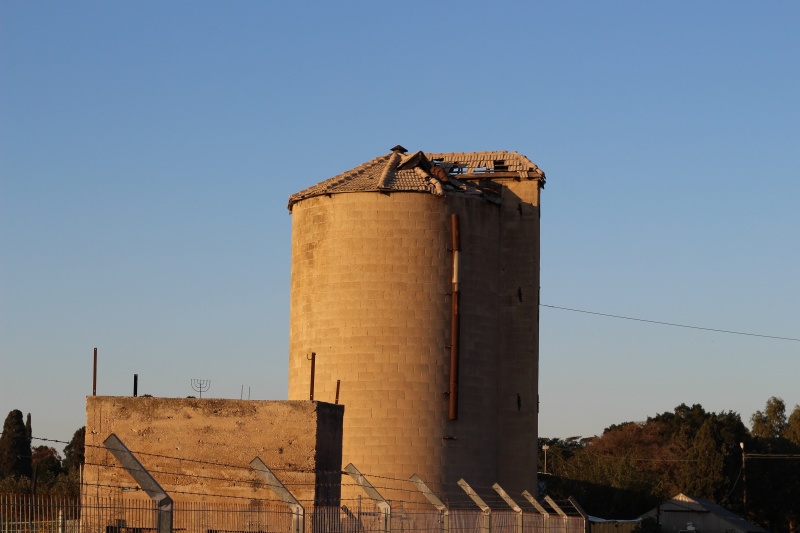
pixel 147 151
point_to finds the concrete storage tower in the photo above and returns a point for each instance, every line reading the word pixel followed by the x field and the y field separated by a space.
pixel 415 281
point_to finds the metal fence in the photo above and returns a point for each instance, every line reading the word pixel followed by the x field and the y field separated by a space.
pixel 117 515
pixel 27 513
pixel 24 513
pixel 418 520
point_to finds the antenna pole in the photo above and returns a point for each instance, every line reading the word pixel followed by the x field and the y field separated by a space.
pixel 201 385
pixel 94 377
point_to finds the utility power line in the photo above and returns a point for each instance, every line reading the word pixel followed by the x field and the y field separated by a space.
pixel 671 324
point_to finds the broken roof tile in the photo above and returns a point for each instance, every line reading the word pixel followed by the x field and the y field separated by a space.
pixel 400 171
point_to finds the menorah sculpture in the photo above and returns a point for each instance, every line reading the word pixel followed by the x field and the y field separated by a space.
pixel 201 385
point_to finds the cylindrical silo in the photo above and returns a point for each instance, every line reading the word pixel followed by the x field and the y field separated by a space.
pixel 373 266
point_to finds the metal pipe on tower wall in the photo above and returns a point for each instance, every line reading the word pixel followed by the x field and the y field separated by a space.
pixel 454 320
pixel 313 371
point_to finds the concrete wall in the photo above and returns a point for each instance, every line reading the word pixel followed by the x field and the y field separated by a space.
pixel 371 283
pixel 299 440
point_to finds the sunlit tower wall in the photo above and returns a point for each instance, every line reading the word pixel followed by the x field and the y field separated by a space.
pixel 379 254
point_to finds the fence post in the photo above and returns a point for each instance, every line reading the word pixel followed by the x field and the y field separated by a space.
pixel 147 482
pixel 555 506
pixel 280 490
pixel 61 521
pixel 584 514
pixel 511 503
pixel 487 512
pixel 564 517
pixel 536 505
pixel 435 501
pixel 541 510
pixel 366 486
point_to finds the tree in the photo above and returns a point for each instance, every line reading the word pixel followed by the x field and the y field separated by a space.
pixel 684 420
pixel 704 476
pixel 770 423
pixel 620 472
pixel 774 485
pixel 29 429
pixel 74 451
pixel 46 463
pixel 792 432
pixel 631 466
pixel 15 452
pixel 18 485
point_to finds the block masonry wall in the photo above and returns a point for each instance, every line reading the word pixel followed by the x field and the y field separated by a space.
pixel 518 357
pixel 371 283
pixel 299 440
pixel 370 277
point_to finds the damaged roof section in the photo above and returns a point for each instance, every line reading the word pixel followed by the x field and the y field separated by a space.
pixel 433 173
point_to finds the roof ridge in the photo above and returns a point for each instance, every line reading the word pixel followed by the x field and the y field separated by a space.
pixel 435 185
pixel 391 166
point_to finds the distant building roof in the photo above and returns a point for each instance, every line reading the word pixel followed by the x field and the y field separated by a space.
pixel 689 504
pixel 434 173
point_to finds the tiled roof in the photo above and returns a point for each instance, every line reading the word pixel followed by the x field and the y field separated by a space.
pixel 431 173
pixel 489 163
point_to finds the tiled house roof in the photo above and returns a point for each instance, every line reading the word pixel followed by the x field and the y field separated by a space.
pixel 431 173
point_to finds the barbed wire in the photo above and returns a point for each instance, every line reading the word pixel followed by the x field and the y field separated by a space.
pixel 248 468
pixel 363 502
pixel 164 456
pixel 393 488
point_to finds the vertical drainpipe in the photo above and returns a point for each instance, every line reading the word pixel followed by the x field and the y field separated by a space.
pixel 313 371
pixel 455 319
